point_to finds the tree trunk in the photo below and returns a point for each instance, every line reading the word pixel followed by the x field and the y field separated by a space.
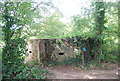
pixel 100 15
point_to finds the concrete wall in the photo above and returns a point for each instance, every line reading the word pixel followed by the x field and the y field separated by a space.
pixel 32 50
pixel 60 53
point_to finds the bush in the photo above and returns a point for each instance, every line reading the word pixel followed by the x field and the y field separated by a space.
pixel 108 57
pixel 73 61
pixel 22 71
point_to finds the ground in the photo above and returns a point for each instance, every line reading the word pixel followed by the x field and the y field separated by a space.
pixel 69 72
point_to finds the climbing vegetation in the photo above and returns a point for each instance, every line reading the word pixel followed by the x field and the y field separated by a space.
pixel 96 29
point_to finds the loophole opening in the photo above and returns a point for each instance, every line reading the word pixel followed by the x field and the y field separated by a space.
pixel 61 53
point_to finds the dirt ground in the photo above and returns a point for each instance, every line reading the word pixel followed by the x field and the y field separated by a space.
pixel 68 72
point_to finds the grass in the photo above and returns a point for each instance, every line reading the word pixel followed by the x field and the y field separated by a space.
pixel 71 62
pixel 77 62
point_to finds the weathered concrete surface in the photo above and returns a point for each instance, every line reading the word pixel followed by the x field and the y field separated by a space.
pixel 44 49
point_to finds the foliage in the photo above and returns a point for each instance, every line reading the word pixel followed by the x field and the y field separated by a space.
pixel 86 28
pixel 49 27
pixel 25 72
pixel 21 20
pixel 75 61
pixel 15 17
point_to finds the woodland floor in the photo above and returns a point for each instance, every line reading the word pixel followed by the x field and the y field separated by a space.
pixel 69 72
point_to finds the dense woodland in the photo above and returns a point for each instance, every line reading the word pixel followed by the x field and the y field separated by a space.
pixel 96 29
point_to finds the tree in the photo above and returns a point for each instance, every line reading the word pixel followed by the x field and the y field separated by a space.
pixel 14 19
pixel 52 26
pixel 99 22
pixel 49 27
pixel 100 30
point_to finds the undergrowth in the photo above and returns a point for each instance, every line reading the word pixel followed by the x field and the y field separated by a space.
pixel 77 62
pixel 23 71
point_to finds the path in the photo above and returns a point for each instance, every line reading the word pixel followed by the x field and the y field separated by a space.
pixel 67 72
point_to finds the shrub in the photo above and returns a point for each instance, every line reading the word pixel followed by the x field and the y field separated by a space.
pixel 23 71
